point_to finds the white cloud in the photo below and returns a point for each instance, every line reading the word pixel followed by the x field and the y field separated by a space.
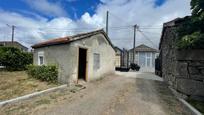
pixel 47 8
pixel 141 12
pixel 122 13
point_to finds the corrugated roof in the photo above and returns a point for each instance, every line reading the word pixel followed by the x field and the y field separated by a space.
pixel 68 39
pixel 144 48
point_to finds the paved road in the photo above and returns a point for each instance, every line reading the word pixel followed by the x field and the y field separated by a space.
pixel 121 94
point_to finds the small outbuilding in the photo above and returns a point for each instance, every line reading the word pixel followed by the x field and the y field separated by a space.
pixel 85 56
pixel 145 57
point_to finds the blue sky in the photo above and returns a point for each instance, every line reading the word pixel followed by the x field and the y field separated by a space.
pixel 39 20
pixel 74 8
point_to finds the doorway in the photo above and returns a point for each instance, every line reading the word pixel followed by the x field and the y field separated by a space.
pixel 82 61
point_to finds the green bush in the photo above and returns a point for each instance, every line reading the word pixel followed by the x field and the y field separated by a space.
pixel 44 73
pixel 13 59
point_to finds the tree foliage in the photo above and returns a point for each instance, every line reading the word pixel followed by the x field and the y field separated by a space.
pixel 14 59
pixel 191 30
pixel 197 8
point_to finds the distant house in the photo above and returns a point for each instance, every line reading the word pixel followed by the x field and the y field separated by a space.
pixel 144 57
pixel 85 56
pixel 118 56
pixel 14 44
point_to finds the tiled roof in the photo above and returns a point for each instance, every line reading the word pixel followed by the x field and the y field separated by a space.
pixel 9 43
pixel 52 42
pixel 68 39
pixel 144 48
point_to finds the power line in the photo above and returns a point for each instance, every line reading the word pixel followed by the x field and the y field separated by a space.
pixel 76 29
pixel 119 18
pixel 151 32
pixel 147 38
pixel 151 28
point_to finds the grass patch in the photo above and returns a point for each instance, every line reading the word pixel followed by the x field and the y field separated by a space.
pixel 18 83
pixel 42 101
pixel 197 104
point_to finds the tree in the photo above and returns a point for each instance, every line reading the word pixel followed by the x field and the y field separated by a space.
pixel 191 30
pixel 14 59
pixel 197 7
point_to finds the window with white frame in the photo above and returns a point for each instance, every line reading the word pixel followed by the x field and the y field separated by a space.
pixel 96 61
pixel 41 58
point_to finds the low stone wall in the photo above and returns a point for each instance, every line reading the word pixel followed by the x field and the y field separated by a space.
pixel 190 72
pixel 186 72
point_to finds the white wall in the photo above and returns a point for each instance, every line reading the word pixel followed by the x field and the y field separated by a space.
pixel 66 58
pixel 146 61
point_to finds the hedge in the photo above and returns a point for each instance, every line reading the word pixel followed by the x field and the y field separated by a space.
pixel 43 73
pixel 14 59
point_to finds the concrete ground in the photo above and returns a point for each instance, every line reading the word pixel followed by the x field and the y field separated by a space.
pixel 121 94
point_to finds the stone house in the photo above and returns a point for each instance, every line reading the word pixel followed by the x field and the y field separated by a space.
pixel 14 44
pixel 86 56
pixel 144 56
pixel 182 69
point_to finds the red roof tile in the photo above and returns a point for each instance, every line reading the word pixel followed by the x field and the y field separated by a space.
pixel 52 42
pixel 70 39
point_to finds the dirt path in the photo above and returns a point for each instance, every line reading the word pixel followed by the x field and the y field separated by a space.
pixel 121 96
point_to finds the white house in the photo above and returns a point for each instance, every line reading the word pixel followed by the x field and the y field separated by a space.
pixel 145 57
pixel 85 56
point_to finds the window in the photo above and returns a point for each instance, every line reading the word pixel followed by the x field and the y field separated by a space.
pixel 96 61
pixel 142 59
pixel 41 58
pixel 148 59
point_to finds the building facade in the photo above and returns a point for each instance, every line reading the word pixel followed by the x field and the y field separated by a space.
pixel 145 57
pixel 118 57
pixel 86 56
pixel 14 44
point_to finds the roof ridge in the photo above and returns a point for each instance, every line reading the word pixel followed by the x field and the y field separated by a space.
pixel 66 39
pixel 85 33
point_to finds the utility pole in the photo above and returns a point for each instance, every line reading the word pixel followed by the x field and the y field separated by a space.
pixel 107 13
pixel 135 30
pixel 13 29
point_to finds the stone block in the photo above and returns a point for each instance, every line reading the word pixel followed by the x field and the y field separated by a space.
pixel 193 70
pixel 190 87
pixel 202 71
pixel 197 63
pixel 190 54
pixel 197 77
pixel 181 69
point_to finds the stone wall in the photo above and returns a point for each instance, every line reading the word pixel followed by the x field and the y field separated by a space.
pixel 182 69
pixel 190 72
